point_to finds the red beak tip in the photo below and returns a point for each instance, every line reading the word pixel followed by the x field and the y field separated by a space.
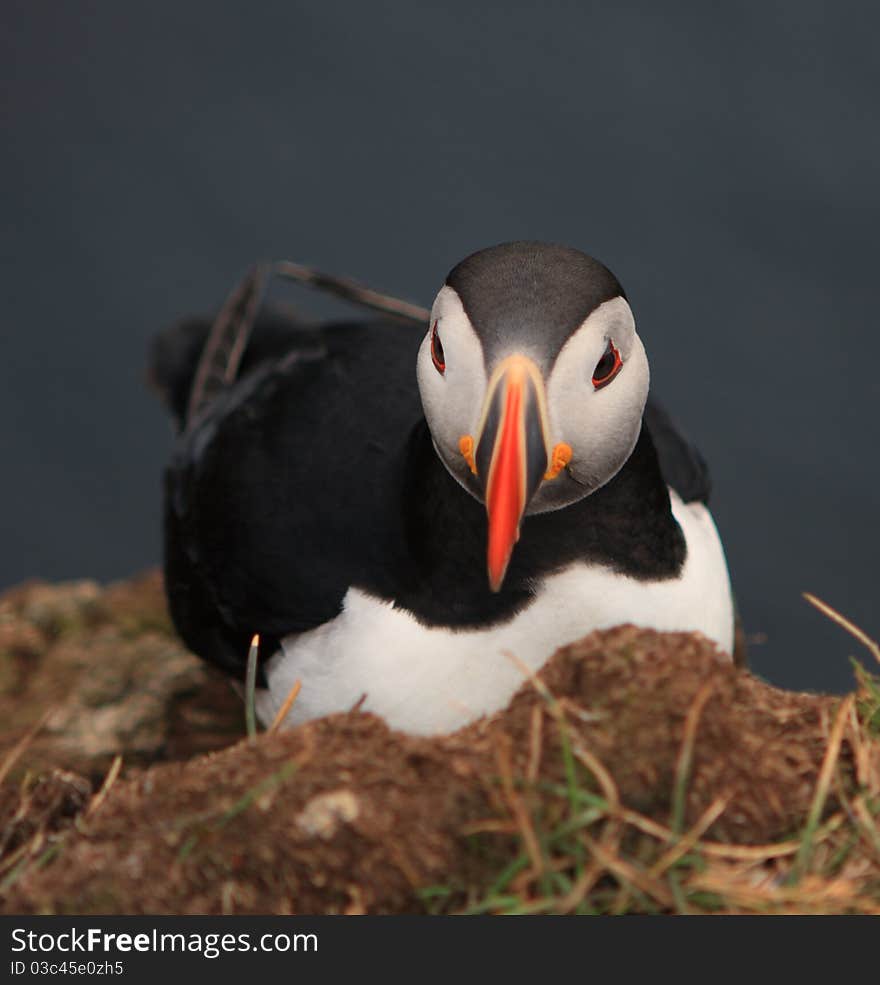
pixel 496 574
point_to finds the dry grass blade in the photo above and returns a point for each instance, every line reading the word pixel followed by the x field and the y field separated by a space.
pixel 10 861
pixel 15 752
pixel 867 825
pixel 536 735
pixel 861 754
pixel 226 343
pixel 350 290
pixel 250 688
pixel 867 763
pixel 628 874
pixel 579 891
pixel 717 849
pixel 844 623
pixel 822 786
pixel 685 757
pixel 288 703
pixel 689 840
pixel 603 777
pixel 533 679
pixel 109 780
pixel 489 825
pixel 516 804
pixel 231 331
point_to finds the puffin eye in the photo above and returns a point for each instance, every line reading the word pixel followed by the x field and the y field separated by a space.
pixel 437 351
pixel 608 367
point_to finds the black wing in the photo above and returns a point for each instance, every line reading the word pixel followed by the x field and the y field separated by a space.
pixel 283 491
pixel 175 354
pixel 278 491
pixel 683 467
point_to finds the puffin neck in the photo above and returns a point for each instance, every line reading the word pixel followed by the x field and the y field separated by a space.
pixel 627 525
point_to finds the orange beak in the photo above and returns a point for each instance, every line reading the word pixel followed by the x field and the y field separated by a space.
pixel 512 454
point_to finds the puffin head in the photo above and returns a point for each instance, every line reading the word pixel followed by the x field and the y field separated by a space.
pixel 533 382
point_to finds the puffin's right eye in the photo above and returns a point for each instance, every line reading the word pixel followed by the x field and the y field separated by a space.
pixel 437 351
pixel 608 366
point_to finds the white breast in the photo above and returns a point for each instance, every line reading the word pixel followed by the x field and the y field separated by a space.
pixel 428 680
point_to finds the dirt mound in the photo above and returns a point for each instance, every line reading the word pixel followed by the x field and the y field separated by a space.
pixel 638 773
pixel 107 669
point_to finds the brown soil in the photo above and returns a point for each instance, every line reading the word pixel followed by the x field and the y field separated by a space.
pixel 345 815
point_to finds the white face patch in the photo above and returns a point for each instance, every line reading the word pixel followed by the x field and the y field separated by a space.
pixel 453 400
pixel 601 426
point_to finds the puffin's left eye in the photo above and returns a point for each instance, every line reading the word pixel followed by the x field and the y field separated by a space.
pixel 437 351
pixel 608 367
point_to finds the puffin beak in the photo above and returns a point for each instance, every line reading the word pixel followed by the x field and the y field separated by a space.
pixel 511 454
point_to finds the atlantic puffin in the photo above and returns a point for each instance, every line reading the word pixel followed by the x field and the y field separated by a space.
pixel 410 517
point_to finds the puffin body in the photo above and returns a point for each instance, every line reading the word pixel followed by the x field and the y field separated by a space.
pixel 413 548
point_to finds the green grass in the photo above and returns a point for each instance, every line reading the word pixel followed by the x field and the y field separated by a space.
pixel 214 822
pixel 570 847
pixel 867 698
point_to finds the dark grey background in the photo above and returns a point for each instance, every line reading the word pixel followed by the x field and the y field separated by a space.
pixel 722 159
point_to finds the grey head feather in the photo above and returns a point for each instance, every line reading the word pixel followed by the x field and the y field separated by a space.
pixel 530 296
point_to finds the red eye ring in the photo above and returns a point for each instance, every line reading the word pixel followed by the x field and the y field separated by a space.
pixel 608 367
pixel 437 355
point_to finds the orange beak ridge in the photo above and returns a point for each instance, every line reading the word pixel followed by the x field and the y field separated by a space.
pixel 513 442
pixel 506 489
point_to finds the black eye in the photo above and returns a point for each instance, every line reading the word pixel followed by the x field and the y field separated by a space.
pixel 608 367
pixel 437 351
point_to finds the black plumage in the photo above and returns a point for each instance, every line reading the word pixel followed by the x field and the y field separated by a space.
pixel 314 471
